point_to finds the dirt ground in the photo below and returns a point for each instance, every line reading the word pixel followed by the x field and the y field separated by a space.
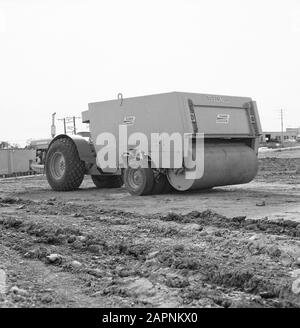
pixel 236 246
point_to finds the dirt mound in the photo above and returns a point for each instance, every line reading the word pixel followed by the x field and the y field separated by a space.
pixel 208 217
pixel 85 249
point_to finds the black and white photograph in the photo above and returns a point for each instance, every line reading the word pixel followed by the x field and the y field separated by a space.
pixel 149 157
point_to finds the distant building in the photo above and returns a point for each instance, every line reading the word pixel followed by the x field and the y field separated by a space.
pixel 294 130
pixel 13 161
pixel 291 134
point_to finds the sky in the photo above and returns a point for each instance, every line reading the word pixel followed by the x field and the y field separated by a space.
pixel 57 56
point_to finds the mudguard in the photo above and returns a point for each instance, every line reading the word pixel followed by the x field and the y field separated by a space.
pixel 84 148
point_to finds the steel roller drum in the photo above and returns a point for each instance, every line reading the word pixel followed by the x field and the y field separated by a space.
pixel 224 164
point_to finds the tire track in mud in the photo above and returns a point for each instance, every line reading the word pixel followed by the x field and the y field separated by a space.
pixel 36 242
pixel 241 223
pixel 190 266
pixel 41 285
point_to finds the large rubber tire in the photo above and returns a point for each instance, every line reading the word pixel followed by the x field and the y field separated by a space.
pixel 64 169
pixel 102 181
pixel 139 181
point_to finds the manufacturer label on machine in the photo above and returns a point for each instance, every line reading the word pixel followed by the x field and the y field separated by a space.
pixel 129 119
pixel 217 99
pixel 223 118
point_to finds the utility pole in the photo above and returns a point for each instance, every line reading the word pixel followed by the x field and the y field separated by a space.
pixel 282 136
pixel 74 124
pixel 53 127
pixel 70 124
pixel 65 126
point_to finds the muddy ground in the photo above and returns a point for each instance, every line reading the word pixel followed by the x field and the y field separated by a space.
pixel 237 246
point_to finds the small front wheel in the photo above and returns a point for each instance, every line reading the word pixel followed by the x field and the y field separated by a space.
pixel 139 181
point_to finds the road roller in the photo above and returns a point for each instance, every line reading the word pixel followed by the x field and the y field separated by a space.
pixel 158 143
